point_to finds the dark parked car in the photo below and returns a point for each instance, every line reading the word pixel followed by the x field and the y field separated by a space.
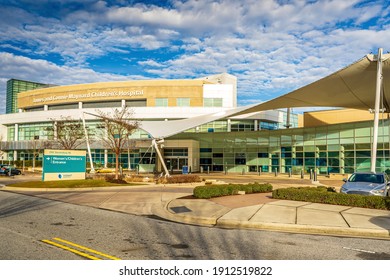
pixel 4 169
pixel 367 183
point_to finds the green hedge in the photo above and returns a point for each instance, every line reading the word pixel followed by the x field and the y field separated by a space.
pixel 328 196
pixel 210 191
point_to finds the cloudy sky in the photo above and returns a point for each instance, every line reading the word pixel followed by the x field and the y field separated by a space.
pixel 272 46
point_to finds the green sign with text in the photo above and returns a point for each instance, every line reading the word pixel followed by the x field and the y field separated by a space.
pixel 63 165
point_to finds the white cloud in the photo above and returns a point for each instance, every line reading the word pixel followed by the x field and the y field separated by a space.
pixel 42 71
pixel 272 46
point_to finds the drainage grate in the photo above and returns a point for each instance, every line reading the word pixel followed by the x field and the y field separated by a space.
pixel 180 209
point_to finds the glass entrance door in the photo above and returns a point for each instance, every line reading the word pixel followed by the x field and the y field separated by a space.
pixel 175 158
pixel 175 164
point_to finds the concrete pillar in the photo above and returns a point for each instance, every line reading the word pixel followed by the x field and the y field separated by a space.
pixel 105 158
pixel 269 162
pixel 229 125
pixel 45 107
pixel 256 123
pixel 342 160
pixel 16 136
pixel 80 105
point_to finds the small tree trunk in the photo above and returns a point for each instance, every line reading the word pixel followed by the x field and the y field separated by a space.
pixel 116 165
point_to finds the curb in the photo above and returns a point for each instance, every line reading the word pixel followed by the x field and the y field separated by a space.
pixel 164 213
pixel 308 229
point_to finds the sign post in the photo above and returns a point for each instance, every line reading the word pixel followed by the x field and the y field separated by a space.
pixel 63 165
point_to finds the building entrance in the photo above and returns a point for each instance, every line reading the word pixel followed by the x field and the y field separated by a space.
pixel 175 159
pixel 176 164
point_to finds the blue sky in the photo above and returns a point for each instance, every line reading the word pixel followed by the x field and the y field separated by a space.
pixel 272 46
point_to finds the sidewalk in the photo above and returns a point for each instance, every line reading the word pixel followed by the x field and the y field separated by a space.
pixel 250 211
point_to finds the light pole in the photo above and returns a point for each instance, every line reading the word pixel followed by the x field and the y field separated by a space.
pixel 376 110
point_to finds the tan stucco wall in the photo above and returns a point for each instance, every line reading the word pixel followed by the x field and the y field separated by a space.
pixel 300 120
pixel 146 89
pixel 318 118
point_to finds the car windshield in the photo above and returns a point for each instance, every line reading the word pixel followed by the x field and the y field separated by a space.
pixel 369 178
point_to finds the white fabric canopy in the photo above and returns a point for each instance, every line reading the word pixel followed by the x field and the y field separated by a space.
pixel 351 87
pixel 162 129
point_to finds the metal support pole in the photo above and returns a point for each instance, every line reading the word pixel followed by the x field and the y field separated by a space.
pixel 288 121
pixel 154 143
pixel 376 110
pixel 88 146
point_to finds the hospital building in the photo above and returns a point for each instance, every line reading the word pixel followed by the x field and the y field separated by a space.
pixel 199 124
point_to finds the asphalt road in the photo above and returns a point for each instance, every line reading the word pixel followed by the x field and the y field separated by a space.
pixel 25 221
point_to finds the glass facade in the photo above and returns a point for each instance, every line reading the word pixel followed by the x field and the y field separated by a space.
pixel 101 104
pixel 13 88
pixel 342 148
pixel 36 131
pixel 136 103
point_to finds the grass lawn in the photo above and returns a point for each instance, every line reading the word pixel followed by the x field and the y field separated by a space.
pixel 70 184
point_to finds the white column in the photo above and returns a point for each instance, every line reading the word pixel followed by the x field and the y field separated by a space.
pixel 376 110
pixel 105 158
pixel 256 124
pixel 229 125
pixel 80 105
pixel 16 136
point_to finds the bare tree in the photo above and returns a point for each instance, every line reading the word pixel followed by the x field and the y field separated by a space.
pixel 68 133
pixel 36 147
pixel 2 145
pixel 118 127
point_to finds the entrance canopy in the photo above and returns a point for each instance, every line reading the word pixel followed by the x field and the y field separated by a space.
pixel 351 87
pixel 163 129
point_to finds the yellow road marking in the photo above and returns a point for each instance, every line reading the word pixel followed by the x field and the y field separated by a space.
pixel 77 252
pixel 86 249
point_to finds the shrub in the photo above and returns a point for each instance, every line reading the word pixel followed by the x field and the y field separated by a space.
pixel 111 179
pixel 177 179
pixel 329 196
pixel 229 189
pixel 134 178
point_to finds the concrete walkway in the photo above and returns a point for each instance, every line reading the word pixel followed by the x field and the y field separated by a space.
pixel 250 211
pixel 283 215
